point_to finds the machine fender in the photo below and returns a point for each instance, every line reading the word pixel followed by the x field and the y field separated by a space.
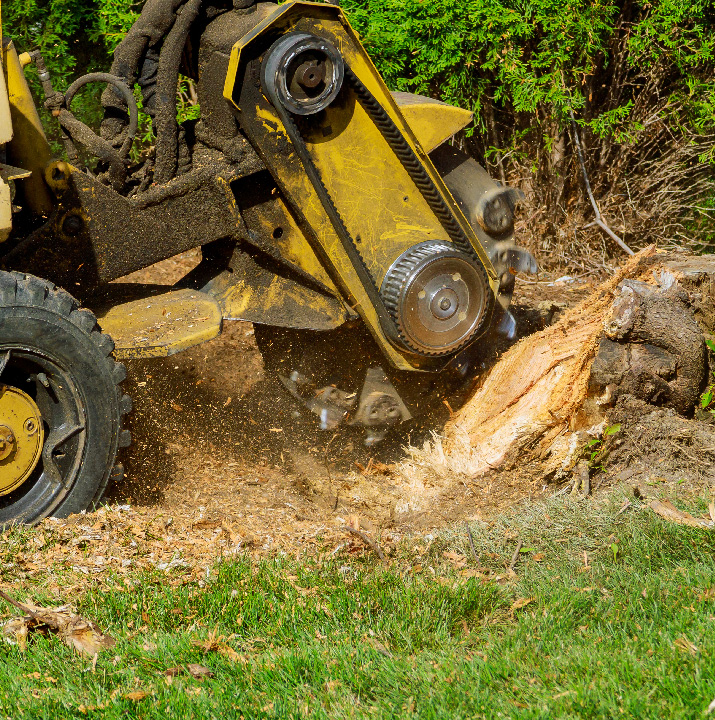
pixel 432 121
pixel 251 292
pixel 29 147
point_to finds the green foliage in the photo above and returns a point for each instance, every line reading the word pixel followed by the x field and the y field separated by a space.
pixel 594 446
pixel 75 37
pixel 530 55
pixel 637 76
pixel 707 399
pixel 522 53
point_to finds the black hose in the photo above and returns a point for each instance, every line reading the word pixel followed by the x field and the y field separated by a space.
pixel 167 128
pixel 126 95
pixel 150 28
pixel 96 145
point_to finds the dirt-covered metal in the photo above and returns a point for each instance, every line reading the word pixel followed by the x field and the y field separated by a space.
pixel 310 189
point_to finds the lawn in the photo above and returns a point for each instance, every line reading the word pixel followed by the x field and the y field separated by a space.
pixel 606 614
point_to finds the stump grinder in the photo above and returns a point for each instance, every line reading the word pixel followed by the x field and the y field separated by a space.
pixel 375 260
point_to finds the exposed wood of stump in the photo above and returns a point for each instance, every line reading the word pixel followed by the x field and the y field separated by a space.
pixel 636 336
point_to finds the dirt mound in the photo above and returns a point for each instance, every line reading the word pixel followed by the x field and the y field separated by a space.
pixel 656 445
pixel 217 443
pixel 214 438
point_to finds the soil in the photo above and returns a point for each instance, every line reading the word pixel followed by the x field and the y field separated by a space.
pixel 212 434
pixel 220 463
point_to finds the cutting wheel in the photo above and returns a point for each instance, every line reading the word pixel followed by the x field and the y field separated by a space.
pixel 438 296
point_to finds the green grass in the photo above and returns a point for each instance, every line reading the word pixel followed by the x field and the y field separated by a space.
pixel 332 638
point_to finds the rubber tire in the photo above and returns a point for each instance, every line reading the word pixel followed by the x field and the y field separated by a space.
pixel 35 314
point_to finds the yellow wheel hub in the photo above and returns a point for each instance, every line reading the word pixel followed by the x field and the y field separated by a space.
pixel 21 438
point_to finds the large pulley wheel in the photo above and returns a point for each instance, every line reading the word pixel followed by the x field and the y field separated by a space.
pixel 61 406
pixel 438 296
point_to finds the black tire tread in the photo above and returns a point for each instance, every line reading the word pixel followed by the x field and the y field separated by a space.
pixel 21 289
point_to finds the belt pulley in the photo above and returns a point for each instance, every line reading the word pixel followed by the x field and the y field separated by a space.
pixel 435 298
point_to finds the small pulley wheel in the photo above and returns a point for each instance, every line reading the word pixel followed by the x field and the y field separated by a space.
pixel 438 296
pixel 303 73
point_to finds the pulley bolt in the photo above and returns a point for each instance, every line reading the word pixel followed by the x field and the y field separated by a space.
pixel 7 441
pixel 310 74
pixel 445 304
pixel 72 224
pixel 30 426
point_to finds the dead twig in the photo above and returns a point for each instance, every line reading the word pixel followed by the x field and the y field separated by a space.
pixel 599 220
pixel 326 459
pixel 16 604
pixel 515 556
pixel 366 539
pixel 471 542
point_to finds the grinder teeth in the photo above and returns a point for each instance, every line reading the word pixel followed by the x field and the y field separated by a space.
pixel 402 271
pixel 399 278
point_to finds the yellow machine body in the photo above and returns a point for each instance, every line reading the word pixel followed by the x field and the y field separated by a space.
pixel 378 201
pixel 5 137
pixel 369 253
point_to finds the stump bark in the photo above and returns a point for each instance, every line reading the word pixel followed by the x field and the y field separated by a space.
pixel 640 338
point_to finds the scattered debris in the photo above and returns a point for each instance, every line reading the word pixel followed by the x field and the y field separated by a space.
pixel 521 603
pixel 471 543
pixel 515 556
pixel 199 672
pixel 135 695
pixel 379 647
pixel 77 632
pixel 684 645
pixel 366 539
pixel 668 511
pixel 581 479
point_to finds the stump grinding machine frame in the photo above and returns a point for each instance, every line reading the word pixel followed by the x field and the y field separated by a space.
pixel 371 256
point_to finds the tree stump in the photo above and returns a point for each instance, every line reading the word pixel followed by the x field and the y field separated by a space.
pixel 634 347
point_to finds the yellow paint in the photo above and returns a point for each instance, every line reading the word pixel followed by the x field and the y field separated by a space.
pixel 278 223
pixel 433 122
pixel 29 148
pixel 279 303
pixel 161 325
pixel 21 438
pixel 5 119
pixel 5 137
pixel 9 172
pixel 383 209
pixel 373 193
pixel 5 210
